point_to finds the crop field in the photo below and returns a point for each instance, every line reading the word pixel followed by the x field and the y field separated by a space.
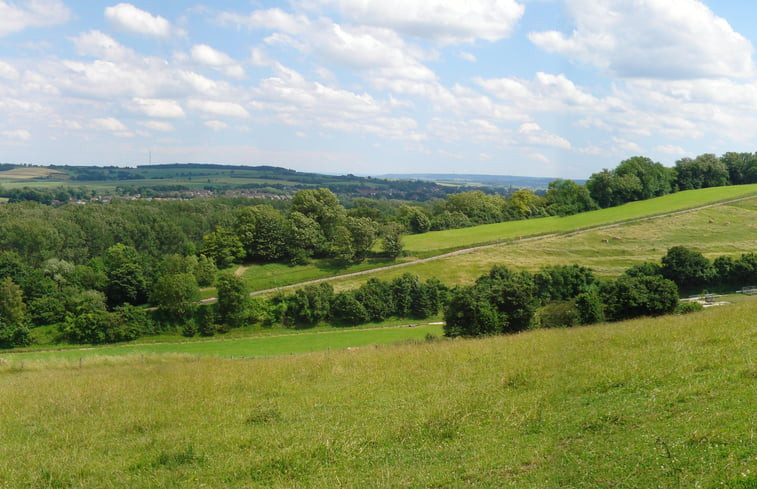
pixel 30 173
pixel 665 403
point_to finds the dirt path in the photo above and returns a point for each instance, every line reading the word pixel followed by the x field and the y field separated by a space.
pixel 491 245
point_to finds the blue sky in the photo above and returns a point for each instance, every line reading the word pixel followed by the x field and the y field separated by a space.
pixel 522 87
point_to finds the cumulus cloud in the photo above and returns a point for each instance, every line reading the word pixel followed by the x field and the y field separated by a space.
pixel 161 126
pixel 34 13
pixel 17 135
pixel 214 107
pixel 216 125
pixel 108 124
pixel 8 71
pixel 443 21
pixel 533 134
pixel 161 108
pixel 665 39
pixel 206 55
pixel 379 54
pixel 127 17
pixel 100 45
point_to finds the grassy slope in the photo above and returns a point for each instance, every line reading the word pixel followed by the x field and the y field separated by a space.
pixel 439 241
pixel 260 277
pixel 259 345
pixel 664 402
pixel 722 230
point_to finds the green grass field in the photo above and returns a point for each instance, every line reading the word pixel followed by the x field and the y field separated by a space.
pixel 257 345
pixel 653 403
pixel 437 242
pixel 723 230
pixel 732 231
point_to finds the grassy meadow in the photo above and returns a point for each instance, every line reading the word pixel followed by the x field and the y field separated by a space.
pixel 262 344
pixel 729 229
pixel 665 403
pixel 719 230
pixel 436 242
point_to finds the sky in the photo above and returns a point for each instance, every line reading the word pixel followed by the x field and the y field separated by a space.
pixel 557 88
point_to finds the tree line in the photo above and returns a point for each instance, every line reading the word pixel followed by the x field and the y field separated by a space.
pixel 502 301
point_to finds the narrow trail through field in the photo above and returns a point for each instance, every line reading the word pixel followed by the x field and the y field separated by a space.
pixel 491 245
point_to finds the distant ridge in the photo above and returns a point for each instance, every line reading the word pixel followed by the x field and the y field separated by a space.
pixel 476 179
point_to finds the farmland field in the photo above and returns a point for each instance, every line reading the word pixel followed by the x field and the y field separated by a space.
pixel 665 402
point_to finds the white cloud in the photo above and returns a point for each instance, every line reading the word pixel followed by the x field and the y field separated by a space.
pixel 546 92
pixel 108 124
pixel 33 13
pixel 533 134
pixel 8 71
pixel 379 54
pixel 17 135
pixel 161 126
pixel 469 57
pixel 214 107
pixel 206 55
pixel 216 125
pixel 100 45
pixel 671 149
pixel 444 21
pixel 127 17
pixel 162 108
pixel 666 39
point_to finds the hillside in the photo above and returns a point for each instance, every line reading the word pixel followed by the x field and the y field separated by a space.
pixel 664 402
pixel 609 250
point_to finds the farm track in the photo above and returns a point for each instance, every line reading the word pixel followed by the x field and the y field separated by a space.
pixel 489 245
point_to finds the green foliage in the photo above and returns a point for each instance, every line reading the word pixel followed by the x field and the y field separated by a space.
pixel 630 297
pixel 589 306
pixel 561 282
pixel 264 233
pixel 413 218
pixel 704 171
pixel 205 271
pixel 478 206
pixel 391 240
pixel 309 305
pixel 322 206
pixel 126 278
pixel 13 317
pixel 471 313
pixel 363 232
pixel 686 267
pixel 565 197
pixel 223 247
pixel 175 296
pixel 347 310
pixel 558 315
pixel 637 178
pixel 232 302
pixel 687 307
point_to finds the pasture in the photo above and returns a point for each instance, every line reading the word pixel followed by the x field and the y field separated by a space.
pixel 723 229
pixel 665 402
pixel 262 344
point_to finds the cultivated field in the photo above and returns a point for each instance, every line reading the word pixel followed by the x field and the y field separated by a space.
pixel 666 403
